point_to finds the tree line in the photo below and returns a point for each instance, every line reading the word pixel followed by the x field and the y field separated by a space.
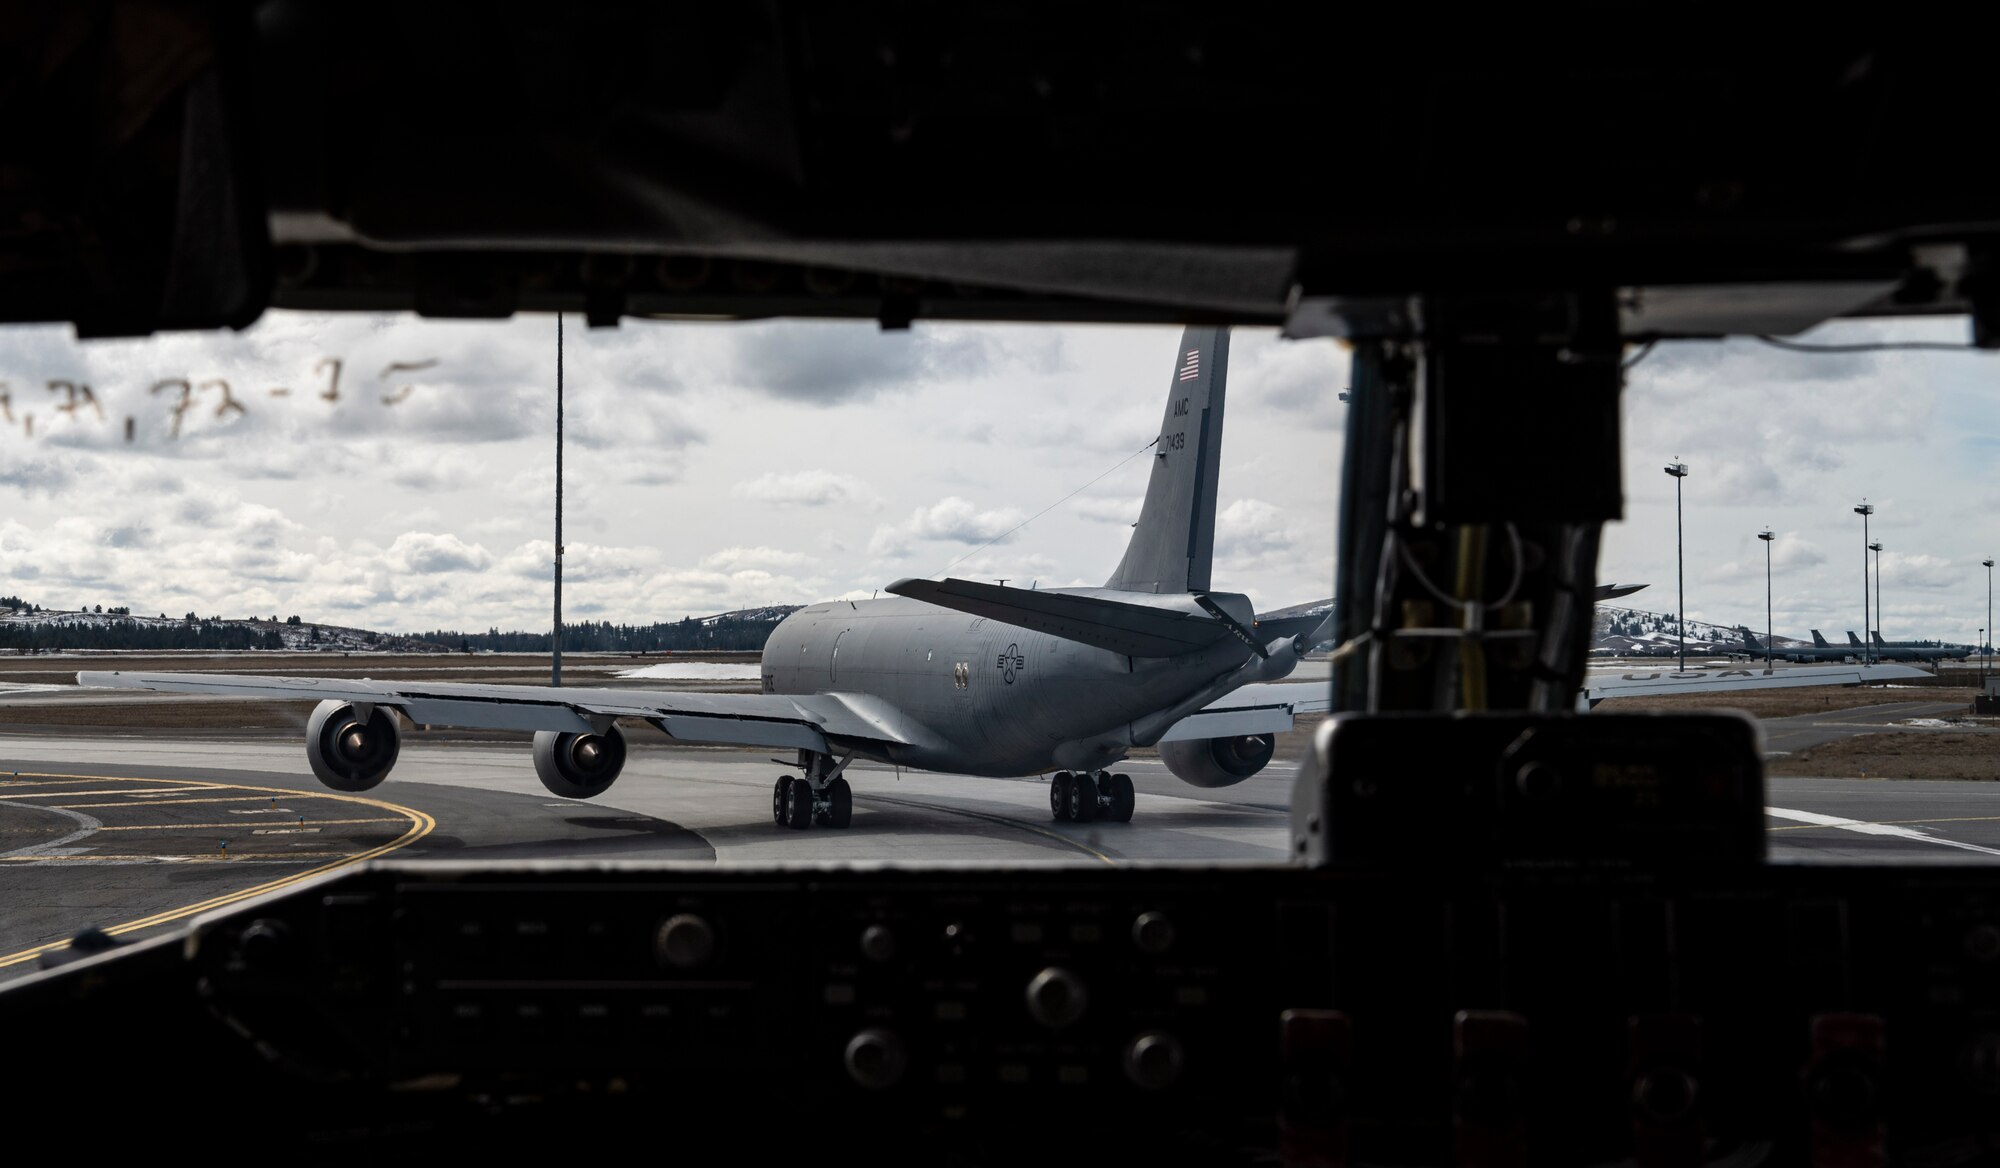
pixel 54 636
pixel 727 634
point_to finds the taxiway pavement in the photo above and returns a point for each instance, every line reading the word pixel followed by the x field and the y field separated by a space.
pixel 128 833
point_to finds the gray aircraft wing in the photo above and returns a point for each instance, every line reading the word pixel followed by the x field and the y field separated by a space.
pixel 1641 682
pixel 803 721
pixel 1136 629
pixel 1267 708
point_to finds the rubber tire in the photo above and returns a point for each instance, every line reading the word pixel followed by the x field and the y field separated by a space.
pixel 781 798
pixel 550 746
pixel 332 770
pixel 1123 799
pixel 799 808
pixel 1059 796
pixel 1083 806
pixel 840 798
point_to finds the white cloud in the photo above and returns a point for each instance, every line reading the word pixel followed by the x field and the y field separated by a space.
pixel 1792 550
pixel 1923 571
pixel 424 553
pixel 689 451
pixel 1253 530
pixel 950 519
pixel 1122 509
pixel 1789 552
pixel 808 488
pixel 736 558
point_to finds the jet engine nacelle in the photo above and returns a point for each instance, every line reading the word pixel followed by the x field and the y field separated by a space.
pixel 349 751
pixel 1218 762
pixel 579 766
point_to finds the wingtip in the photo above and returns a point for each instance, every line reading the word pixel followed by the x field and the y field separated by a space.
pixel 904 586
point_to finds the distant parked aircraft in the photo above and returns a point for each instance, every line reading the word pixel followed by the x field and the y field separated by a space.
pixel 1913 650
pixel 1818 651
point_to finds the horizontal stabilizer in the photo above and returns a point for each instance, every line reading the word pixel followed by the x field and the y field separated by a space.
pixel 1270 628
pixel 1137 630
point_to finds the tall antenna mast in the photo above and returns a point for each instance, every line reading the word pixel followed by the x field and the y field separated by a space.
pixel 555 660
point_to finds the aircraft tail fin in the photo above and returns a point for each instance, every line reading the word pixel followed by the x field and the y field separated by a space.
pixel 1819 641
pixel 1750 640
pixel 1173 543
pixel 1852 639
pixel 1876 636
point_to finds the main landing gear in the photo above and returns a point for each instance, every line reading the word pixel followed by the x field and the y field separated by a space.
pixel 1088 795
pixel 821 797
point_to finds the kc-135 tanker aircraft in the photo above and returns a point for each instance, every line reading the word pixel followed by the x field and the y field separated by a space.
pixel 951 675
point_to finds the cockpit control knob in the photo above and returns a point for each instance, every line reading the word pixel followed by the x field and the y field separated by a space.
pixel 1153 933
pixel 875 1059
pixel 1154 1060
pixel 685 941
pixel 1056 997
pixel 878 943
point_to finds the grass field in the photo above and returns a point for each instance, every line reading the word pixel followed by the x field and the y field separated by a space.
pixel 1901 754
pixel 1786 703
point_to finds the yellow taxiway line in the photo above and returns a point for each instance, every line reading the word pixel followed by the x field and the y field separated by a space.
pixel 246 824
pixel 421 825
pixel 178 802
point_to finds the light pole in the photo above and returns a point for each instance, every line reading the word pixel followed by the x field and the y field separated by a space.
pixel 1877 633
pixel 555 643
pixel 1867 645
pixel 1767 537
pixel 1680 471
pixel 1986 634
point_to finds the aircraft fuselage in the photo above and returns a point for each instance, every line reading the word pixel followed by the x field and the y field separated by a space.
pixel 990 698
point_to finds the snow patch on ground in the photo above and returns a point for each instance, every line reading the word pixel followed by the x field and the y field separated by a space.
pixel 696 671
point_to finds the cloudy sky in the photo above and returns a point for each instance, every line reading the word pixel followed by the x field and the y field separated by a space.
pixel 721 466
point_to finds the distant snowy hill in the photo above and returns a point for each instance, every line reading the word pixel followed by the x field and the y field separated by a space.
pixel 772 613
pixel 1631 632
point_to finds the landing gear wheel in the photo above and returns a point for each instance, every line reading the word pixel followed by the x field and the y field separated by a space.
pixel 840 800
pixel 1082 798
pixel 799 805
pixel 781 798
pixel 1059 796
pixel 1123 799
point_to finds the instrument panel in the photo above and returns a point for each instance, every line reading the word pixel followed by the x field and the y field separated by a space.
pixel 1316 1016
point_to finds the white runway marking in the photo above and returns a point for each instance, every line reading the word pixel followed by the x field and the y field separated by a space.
pixel 1863 827
pixel 56 847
